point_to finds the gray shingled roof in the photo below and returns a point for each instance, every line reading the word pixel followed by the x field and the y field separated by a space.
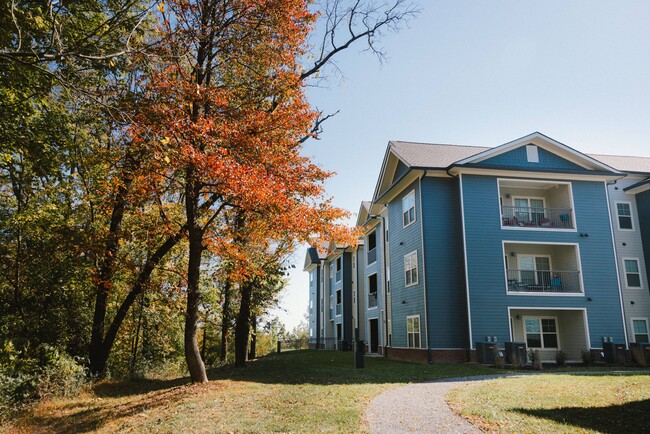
pixel 625 163
pixel 433 155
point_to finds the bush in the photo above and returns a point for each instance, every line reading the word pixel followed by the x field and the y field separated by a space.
pixel 44 373
pixel 535 359
pixel 587 357
pixel 638 355
pixel 560 358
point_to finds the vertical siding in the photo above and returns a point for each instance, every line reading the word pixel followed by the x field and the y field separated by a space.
pixel 402 241
pixel 643 204
pixel 484 238
pixel 445 276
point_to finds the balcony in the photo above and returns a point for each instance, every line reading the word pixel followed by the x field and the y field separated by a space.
pixel 544 281
pixel 339 309
pixel 536 204
pixel 535 217
pixel 542 268
pixel 372 256
pixel 372 300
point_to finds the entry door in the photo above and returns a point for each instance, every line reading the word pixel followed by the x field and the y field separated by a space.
pixel 374 335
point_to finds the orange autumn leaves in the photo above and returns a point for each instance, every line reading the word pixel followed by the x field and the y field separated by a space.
pixel 226 98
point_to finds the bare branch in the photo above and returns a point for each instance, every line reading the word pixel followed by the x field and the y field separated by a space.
pixel 317 128
pixel 365 20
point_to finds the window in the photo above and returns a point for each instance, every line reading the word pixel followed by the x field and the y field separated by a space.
pixel 529 210
pixel 531 154
pixel 411 268
pixel 640 327
pixel 372 247
pixel 413 331
pixel 408 208
pixel 632 274
pixel 372 291
pixel 624 216
pixel 339 309
pixel 541 332
pixel 339 268
pixel 534 270
pixel 311 276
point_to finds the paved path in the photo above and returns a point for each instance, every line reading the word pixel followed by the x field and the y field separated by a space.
pixel 421 407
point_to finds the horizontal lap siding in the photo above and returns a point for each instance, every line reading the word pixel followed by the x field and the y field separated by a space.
pixel 517 158
pixel 445 272
pixel 402 241
pixel 488 299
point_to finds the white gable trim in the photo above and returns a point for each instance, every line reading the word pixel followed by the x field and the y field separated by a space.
pixel 546 143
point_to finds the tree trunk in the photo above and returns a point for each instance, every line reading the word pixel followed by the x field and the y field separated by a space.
pixel 242 327
pixel 251 351
pixel 225 321
pixel 195 234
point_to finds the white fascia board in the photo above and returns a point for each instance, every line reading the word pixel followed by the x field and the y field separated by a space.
pixel 546 143
pixel 396 189
pixel 532 174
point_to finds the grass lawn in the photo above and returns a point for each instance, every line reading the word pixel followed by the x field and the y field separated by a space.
pixel 557 403
pixel 296 391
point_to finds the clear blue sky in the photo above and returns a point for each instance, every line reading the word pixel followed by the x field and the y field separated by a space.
pixel 484 73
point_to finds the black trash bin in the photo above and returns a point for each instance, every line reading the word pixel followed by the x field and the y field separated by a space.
pixel 358 355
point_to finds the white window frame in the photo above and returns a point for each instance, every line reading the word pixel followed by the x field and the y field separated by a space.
pixel 541 331
pixel 647 327
pixel 528 199
pixel 419 334
pixel 534 256
pixel 638 267
pixel 618 216
pixel 406 211
pixel 374 231
pixel 411 261
pixel 376 290
pixel 336 261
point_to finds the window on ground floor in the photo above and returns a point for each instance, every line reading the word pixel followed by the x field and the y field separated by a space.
pixel 541 332
pixel 413 331
pixel 640 330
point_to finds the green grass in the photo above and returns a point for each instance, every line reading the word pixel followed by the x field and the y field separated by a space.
pixel 557 403
pixel 297 391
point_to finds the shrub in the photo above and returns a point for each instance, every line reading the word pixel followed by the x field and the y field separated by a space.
pixel 638 355
pixel 587 357
pixel 560 358
pixel 44 373
pixel 535 359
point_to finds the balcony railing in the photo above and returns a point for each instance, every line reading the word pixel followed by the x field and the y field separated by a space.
pixel 339 274
pixel 544 281
pixel 372 299
pixel 339 309
pixel 534 217
pixel 372 256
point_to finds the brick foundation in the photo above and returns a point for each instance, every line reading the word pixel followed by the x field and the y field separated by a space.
pixel 422 355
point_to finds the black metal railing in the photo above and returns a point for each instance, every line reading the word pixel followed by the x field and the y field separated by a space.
pixel 372 256
pixel 339 309
pixel 535 217
pixel 372 299
pixel 544 281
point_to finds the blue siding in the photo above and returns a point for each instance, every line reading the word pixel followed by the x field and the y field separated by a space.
pixel 643 208
pixel 375 268
pixel 400 170
pixel 488 298
pixel 445 272
pixel 404 240
pixel 517 158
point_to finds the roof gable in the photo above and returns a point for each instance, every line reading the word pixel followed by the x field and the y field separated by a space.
pixel 551 146
pixel 518 158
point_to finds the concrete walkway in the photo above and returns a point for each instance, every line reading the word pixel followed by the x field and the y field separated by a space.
pixel 421 407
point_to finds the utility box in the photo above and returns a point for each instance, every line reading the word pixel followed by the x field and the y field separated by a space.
pixel 614 353
pixel 516 353
pixel 486 352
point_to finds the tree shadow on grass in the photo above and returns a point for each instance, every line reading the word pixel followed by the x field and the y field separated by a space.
pixel 630 417
pixel 140 398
